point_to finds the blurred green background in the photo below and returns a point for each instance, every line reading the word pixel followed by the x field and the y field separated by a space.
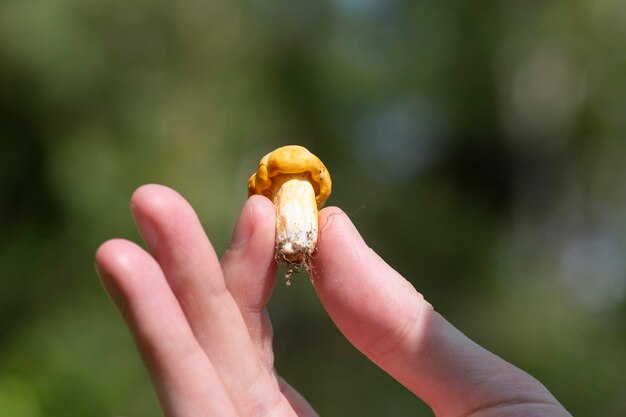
pixel 479 146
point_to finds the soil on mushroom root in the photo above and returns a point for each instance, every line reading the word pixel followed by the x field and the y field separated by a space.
pixel 293 265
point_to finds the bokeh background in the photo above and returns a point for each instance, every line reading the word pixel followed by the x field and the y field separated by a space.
pixel 479 146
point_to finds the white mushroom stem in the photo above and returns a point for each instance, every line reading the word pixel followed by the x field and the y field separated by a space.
pixel 296 222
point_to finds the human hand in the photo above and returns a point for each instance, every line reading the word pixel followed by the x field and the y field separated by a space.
pixel 206 338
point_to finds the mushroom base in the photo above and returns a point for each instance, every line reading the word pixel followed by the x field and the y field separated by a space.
pixel 296 223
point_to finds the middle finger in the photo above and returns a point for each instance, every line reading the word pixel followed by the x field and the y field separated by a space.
pixel 176 239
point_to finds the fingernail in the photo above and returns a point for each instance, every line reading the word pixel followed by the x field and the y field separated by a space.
pixel 244 227
pixel 147 229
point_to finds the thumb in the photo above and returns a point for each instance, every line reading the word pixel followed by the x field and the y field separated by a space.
pixel 384 317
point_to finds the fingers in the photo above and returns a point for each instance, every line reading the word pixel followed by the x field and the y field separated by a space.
pixel 300 405
pixel 176 239
pixel 250 271
pixel 185 380
pixel 390 322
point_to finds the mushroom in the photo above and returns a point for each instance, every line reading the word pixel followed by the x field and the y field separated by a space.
pixel 298 183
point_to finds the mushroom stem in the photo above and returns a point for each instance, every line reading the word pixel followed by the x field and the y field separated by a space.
pixel 296 222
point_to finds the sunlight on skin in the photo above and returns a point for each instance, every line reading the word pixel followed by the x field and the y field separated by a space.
pixel 204 334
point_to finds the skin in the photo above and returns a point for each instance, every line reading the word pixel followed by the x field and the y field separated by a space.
pixel 206 338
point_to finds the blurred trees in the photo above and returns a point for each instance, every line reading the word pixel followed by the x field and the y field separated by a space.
pixel 478 146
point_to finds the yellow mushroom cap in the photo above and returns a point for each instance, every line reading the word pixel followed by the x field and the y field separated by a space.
pixel 289 161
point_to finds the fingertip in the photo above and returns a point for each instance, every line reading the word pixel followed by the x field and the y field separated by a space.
pixel 248 263
pixel 153 199
pixel 167 222
pixel 261 204
pixel 340 245
pixel 256 213
pixel 335 224
pixel 145 193
pixel 125 268
pixel 113 257
pixel 264 214
pixel 330 211
pixel 114 262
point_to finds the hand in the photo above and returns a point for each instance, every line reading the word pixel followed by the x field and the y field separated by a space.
pixel 206 338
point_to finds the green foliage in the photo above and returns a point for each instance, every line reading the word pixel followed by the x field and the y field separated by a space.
pixel 478 146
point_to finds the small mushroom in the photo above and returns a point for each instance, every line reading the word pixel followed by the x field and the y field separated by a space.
pixel 298 183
